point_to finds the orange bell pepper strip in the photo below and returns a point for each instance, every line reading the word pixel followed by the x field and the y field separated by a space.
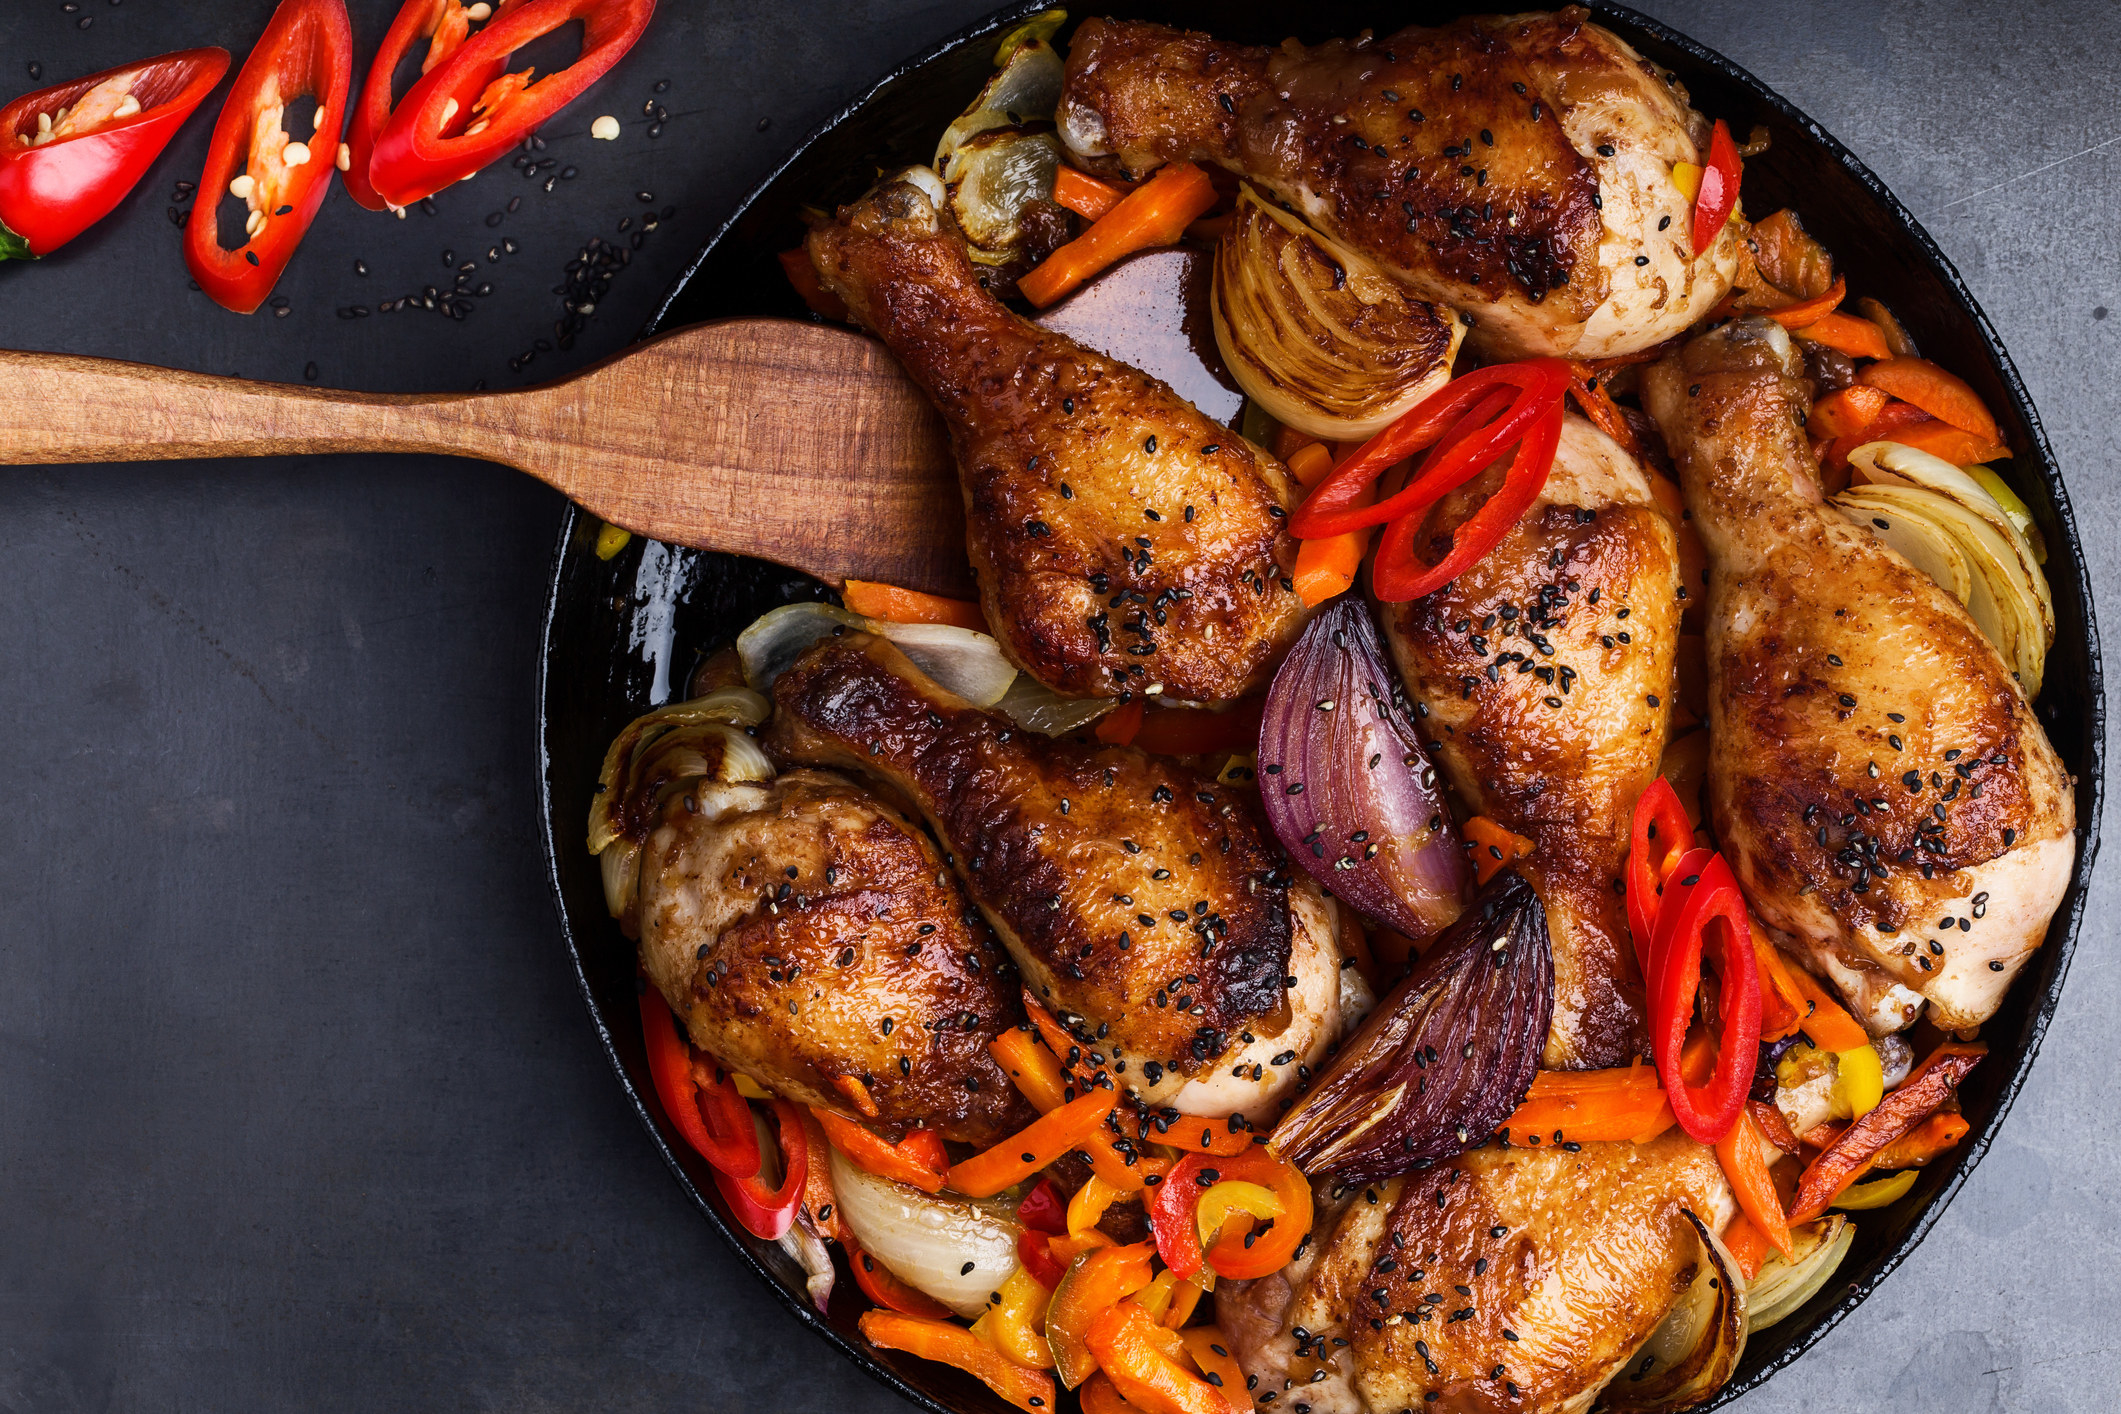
pixel 1084 194
pixel 1941 439
pixel 1825 1020
pixel 1196 731
pixel 1174 1216
pixel 1943 395
pixel 1626 1103
pixel 1096 1281
pixel 881 1285
pixel 1119 726
pixel 1893 416
pixel 1154 214
pixel 949 1344
pixel 1126 1345
pixel 1748 1245
pixel 1850 1156
pixel 1851 410
pixel 1745 1155
pixel 1783 1004
pixel 909 606
pixel 1935 1135
pixel 1090 1203
pixel 1185 1299
pixel 1851 334
pixel 908 1162
pixel 1033 1147
pixel 857 1095
pixel 1494 848
pixel 1209 1350
pixel 1039 1076
pixel 1099 1396
pixel 1195 1135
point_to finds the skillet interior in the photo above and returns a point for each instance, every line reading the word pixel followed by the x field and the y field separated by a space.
pixel 624 635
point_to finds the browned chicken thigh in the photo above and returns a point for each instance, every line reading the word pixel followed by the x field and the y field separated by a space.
pixel 1546 671
pixel 1123 542
pixel 1506 1279
pixel 1518 168
pixel 806 934
pixel 1876 777
pixel 1135 895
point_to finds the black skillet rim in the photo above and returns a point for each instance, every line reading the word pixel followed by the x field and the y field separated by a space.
pixel 2055 954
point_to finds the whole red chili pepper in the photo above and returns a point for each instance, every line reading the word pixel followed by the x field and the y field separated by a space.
pixel 306 51
pixel 71 152
pixel 445 25
pixel 1696 906
pixel 470 110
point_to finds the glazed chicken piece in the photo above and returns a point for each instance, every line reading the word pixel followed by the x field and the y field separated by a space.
pixel 1546 672
pixel 1577 1255
pixel 809 937
pixel 1137 897
pixel 1876 777
pixel 1123 542
pixel 1517 167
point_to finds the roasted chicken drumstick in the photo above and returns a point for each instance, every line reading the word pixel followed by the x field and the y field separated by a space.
pixel 1517 168
pixel 1123 542
pixel 1876 777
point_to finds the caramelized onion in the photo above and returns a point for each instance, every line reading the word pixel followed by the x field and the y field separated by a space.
pixel 1446 1057
pixel 1347 787
pixel 1321 338
pixel 1696 1347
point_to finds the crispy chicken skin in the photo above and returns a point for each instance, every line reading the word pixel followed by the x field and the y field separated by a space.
pixel 1577 1255
pixel 1135 895
pixel 1121 540
pixel 1876 777
pixel 1514 167
pixel 1547 673
pixel 805 932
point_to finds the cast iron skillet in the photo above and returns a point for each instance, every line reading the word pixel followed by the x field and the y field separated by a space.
pixel 624 635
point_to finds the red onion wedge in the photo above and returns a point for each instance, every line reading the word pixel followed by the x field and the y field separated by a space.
pixel 1346 785
pixel 1445 1058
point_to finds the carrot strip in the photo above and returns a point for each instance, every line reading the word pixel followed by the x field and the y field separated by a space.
pixel 1934 1136
pixel 1288 442
pixel 1157 213
pixel 1192 1134
pixel 1783 1004
pixel 1493 847
pixel 1326 568
pixel 1805 313
pixel 1748 1244
pixel 803 275
pixel 1084 194
pixel 1826 1021
pixel 1745 1155
pixel 1119 726
pixel 1196 731
pixel 1852 334
pixel 1890 419
pixel 1849 411
pixel 1599 407
pixel 1583 1106
pixel 1100 1397
pixel 1309 463
pixel 910 606
pixel 1038 1074
pixel 857 1095
pixel 1940 439
pixel 1029 1390
pixel 1033 1147
pixel 1943 395
pixel 819 1198
pixel 906 1163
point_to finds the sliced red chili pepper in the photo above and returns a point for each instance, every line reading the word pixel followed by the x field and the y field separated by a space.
pixel 307 51
pixel 444 25
pixel 723 1136
pixel 1845 1160
pixel 70 153
pixel 1691 914
pixel 1398 575
pixel 470 110
pixel 1718 196
pixel 1174 1207
pixel 764 1212
pixel 1043 1208
pixel 1660 834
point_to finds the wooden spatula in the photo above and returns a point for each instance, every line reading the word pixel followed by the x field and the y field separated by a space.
pixel 803 444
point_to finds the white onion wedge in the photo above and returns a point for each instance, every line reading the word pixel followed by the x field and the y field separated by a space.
pixel 955 1250
pixel 1780 1286
pixel 1696 1347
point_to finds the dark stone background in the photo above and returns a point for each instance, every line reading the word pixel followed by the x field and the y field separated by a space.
pixel 299 1108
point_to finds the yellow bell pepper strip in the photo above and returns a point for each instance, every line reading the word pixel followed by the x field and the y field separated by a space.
pixel 1155 1298
pixel 910 1161
pixel 1745 1155
pixel 1156 213
pixel 1089 1204
pixel 882 1286
pixel 1033 1147
pixel 1029 1390
pixel 1185 1299
pixel 1860 1077
pixel 1016 1325
pixel 1096 1281
pixel 1128 1349
pixel 1176 1219
pixel 1877 1195
pixel 1230 1197
pixel 1037 1073
pixel 1850 1155
pixel 1210 1352
pixel 1582 1106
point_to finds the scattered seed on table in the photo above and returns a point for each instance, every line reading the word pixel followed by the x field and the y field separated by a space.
pixel 765 123
pixel 309 371
pixel 427 204
pixel 36 70
pixel 646 198
pixel 515 204
pixel 449 257
pixel 625 225
pixel 568 174
pixel 508 244
pixel 605 129
pixel 662 85
pixel 655 130
pixel 494 219
pixel 360 267
pixel 551 182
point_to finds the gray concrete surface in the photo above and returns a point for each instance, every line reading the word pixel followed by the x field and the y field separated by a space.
pixel 298 1106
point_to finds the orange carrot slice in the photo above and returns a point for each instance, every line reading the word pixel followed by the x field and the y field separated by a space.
pixel 1154 214
pixel 1943 395
pixel 910 606
pixel 1850 333
pixel 1084 194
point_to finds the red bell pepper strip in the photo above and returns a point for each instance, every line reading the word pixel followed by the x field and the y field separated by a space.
pixel 1398 575
pixel 70 153
pixel 722 1134
pixel 1044 1209
pixel 768 1213
pixel 1852 1153
pixel 470 111
pixel 1684 925
pixel 1035 1250
pixel 445 25
pixel 306 50
pixel 1718 196
pixel 882 1285
pixel 1660 834
pixel 1174 1215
